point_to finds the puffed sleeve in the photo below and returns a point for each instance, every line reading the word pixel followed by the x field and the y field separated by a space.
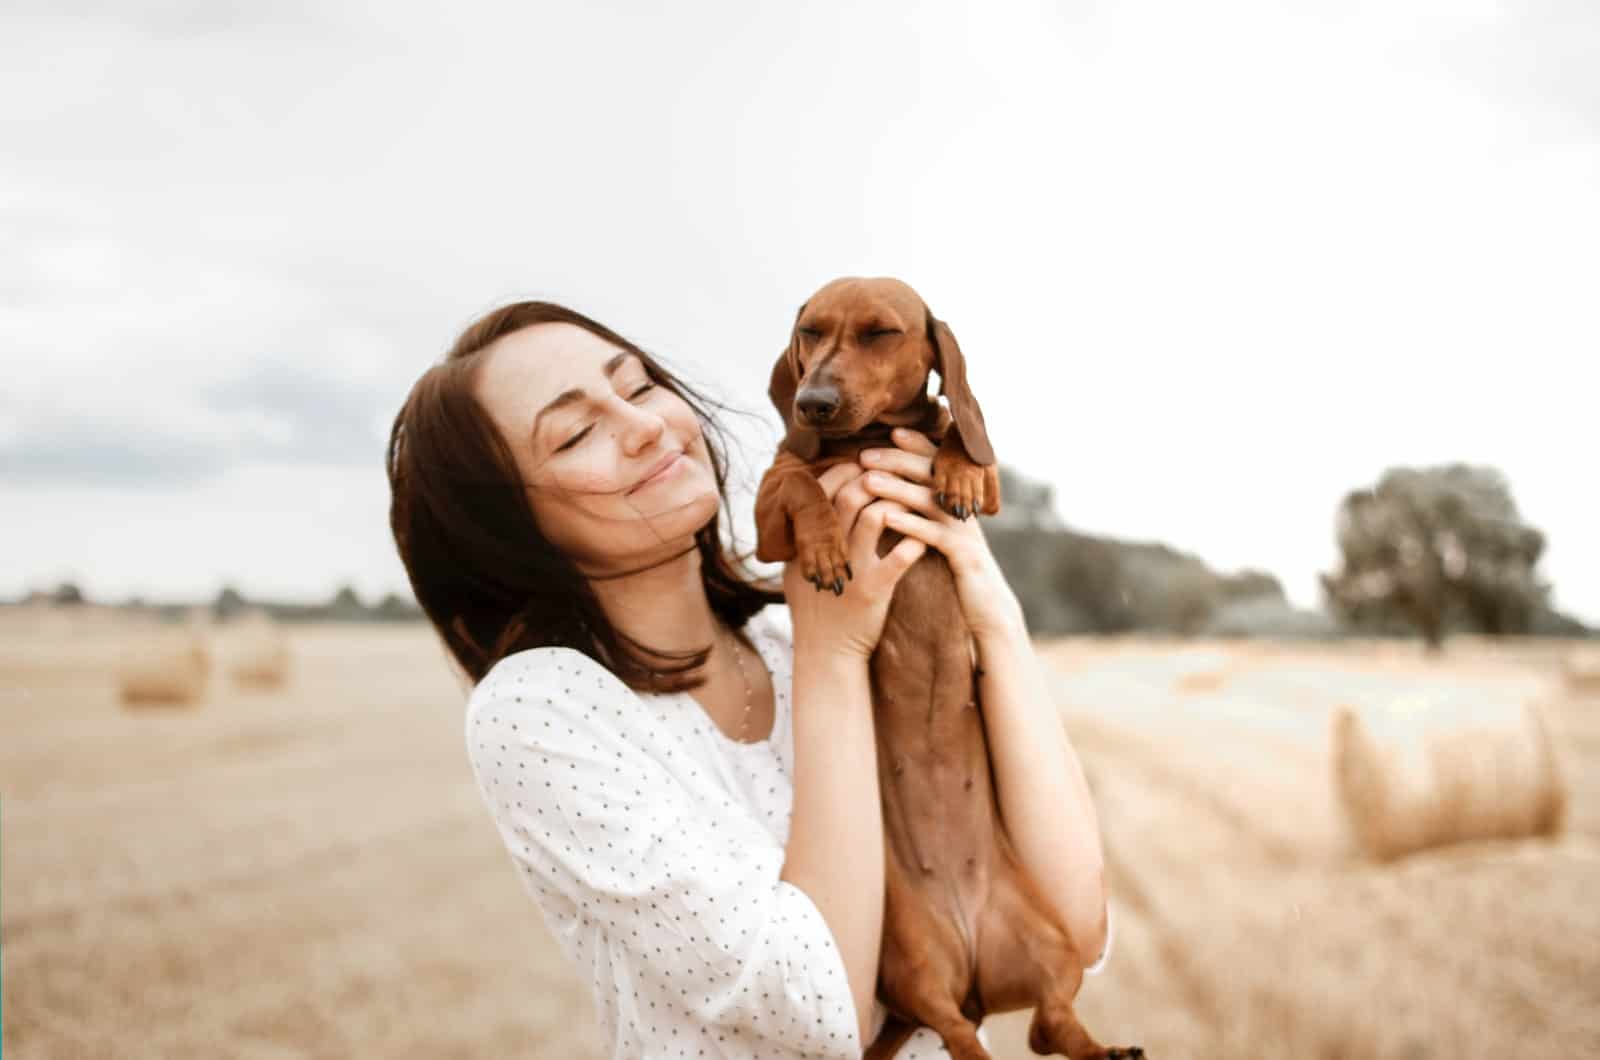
pixel 604 827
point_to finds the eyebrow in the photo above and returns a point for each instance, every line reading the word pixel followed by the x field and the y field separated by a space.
pixel 576 394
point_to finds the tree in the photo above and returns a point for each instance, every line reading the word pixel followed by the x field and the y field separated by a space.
pixel 346 604
pixel 67 593
pixel 229 602
pixel 1434 548
pixel 395 607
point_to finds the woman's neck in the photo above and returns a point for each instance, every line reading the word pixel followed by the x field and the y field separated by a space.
pixel 663 607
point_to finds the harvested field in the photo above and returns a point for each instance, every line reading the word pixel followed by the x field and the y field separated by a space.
pixel 306 870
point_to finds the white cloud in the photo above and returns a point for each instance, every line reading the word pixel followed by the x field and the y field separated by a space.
pixel 1178 242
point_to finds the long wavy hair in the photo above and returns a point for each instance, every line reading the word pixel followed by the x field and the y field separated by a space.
pixel 489 582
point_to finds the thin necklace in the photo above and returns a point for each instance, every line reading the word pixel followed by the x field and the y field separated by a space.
pixel 748 694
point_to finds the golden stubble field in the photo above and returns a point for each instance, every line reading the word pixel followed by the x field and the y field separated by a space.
pixel 310 873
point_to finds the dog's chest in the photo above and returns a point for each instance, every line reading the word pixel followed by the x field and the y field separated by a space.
pixel 923 665
pixel 925 698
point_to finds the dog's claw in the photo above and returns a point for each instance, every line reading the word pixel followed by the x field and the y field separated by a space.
pixel 838 586
pixel 848 572
pixel 940 498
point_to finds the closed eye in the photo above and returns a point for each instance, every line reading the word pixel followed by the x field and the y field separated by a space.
pixel 810 333
pixel 878 333
pixel 575 439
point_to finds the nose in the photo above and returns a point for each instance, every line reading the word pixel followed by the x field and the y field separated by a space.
pixel 818 404
pixel 642 426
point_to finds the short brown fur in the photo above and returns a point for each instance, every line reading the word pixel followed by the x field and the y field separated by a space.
pixel 966 930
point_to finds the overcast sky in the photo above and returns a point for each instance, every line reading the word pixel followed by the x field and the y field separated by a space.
pixel 1212 265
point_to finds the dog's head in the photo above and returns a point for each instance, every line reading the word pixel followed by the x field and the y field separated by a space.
pixel 861 349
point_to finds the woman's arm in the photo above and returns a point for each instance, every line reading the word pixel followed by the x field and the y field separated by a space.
pixel 835 851
pixel 1044 799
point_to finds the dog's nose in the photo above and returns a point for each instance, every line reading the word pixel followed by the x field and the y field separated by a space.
pixel 818 405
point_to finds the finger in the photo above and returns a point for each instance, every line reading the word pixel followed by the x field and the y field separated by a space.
pixel 933 534
pixel 914 441
pixel 914 466
pixel 903 555
pixel 863 546
pixel 918 498
pixel 835 477
pixel 849 501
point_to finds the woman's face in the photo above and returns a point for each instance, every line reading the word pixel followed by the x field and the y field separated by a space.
pixel 583 456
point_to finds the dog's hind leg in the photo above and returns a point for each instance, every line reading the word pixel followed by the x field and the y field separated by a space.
pixel 922 970
pixel 890 1038
pixel 959 1033
pixel 1026 959
pixel 1056 1031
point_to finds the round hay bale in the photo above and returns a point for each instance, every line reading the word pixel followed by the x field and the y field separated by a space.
pixel 1583 672
pixel 258 651
pixel 164 667
pixel 1407 779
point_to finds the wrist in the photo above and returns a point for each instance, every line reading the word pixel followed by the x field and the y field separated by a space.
pixel 1007 627
pixel 829 658
pixel 828 655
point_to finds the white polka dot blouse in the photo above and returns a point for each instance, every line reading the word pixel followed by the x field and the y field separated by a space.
pixel 652 843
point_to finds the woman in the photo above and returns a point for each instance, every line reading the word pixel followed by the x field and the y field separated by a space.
pixel 687 782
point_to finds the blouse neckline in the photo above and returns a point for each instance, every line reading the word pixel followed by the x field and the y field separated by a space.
pixel 760 637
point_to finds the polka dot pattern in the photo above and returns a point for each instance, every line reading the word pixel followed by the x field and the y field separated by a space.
pixel 652 843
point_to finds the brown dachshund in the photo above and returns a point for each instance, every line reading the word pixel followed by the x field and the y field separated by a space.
pixel 966 931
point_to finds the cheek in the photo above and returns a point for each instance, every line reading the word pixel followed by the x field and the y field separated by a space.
pixel 576 479
pixel 685 425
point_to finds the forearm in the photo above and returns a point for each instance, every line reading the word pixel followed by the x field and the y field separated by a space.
pixel 1044 798
pixel 835 849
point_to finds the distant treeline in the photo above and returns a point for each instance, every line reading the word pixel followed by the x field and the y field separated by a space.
pixel 344 606
pixel 1431 551
pixel 1449 555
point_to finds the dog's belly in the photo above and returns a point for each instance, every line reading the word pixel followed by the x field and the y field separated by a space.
pixel 940 817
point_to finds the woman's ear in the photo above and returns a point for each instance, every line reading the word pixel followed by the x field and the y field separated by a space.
pixel 802 441
pixel 953 387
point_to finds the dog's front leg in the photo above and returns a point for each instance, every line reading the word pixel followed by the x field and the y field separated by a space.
pixel 962 486
pixel 795 520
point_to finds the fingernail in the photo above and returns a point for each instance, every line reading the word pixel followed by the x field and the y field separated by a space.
pixel 869 456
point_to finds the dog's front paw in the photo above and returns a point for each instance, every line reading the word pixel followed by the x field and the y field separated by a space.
pixel 961 487
pixel 822 558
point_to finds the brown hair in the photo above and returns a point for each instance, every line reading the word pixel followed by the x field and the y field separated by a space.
pixel 487 579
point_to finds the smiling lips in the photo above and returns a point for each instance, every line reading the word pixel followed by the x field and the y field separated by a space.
pixel 656 471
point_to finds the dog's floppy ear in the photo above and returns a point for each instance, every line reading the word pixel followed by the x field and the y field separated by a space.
pixel 801 441
pixel 953 386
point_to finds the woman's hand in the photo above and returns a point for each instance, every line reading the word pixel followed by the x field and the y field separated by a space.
pixel 905 474
pixel 851 622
